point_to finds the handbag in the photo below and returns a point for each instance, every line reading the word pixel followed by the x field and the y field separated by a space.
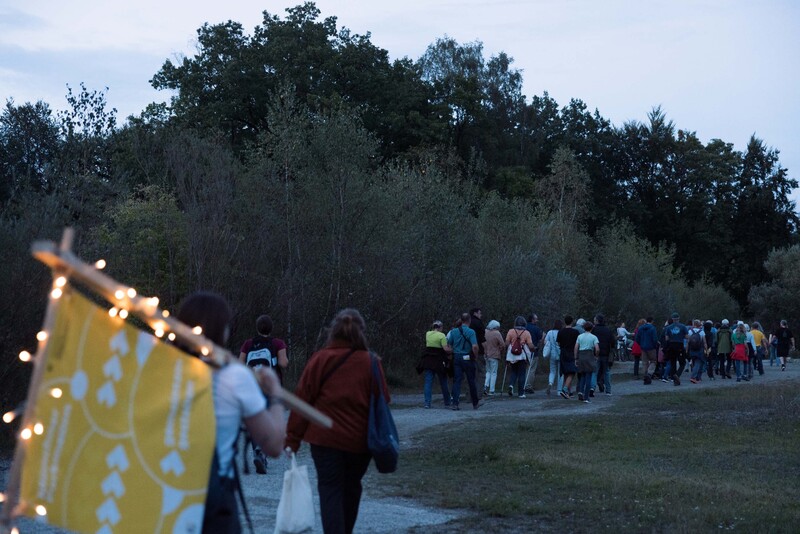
pixel 382 440
pixel 296 507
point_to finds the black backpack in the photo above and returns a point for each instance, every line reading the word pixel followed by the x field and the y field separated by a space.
pixel 695 341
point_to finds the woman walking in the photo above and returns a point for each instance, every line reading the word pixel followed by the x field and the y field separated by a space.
pixel 518 362
pixel 739 354
pixel 338 381
pixel 493 348
pixel 435 361
pixel 587 347
pixel 553 352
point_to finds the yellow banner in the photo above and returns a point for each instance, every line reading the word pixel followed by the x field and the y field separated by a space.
pixel 128 445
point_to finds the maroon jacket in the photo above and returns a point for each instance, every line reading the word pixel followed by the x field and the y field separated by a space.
pixel 344 397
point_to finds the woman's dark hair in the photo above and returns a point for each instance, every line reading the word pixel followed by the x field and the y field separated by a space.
pixel 349 326
pixel 558 325
pixel 588 326
pixel 208 311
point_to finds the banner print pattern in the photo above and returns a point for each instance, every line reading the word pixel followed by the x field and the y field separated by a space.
pixel 128 446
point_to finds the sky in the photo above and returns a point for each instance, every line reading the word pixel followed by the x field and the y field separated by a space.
pixel 724 69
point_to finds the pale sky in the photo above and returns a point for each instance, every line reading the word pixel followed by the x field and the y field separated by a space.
pixel 723 68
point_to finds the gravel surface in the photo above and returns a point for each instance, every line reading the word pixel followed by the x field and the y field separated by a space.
pixel 379 514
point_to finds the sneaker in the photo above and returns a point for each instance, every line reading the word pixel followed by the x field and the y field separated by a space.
pixel 426 406
pixel 476 406
pixel 783 367
pixel 693 380
pixel 676 381
pixel 260 461
pixel 522 396
pixel 485 391
pixel 455 408
pixel 608 393
pixel 563 394
pixel 528 389
pixel 591 393
pixel 580 396
pixel 664 380
pixel 647 380
pixel 510 391
pixel 587 401
pixel 492 393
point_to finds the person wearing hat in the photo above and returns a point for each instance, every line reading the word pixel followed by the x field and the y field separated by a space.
pixel 435 361
pixel 494 348
pixel 675 333
pixel 724 349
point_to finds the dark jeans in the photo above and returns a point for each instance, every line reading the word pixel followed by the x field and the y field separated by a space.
pixel 712 362
pixel 674 353
pixel 460 368
pixel 518 376
pixel 339 475
pixel 724 359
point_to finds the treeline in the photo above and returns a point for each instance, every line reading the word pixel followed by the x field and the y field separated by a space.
pixel 298 171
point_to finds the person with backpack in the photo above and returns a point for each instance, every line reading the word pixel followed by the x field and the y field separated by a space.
pixel 675 334
pixel 520 345
pixel 338 380
pixel 263 350
pixel 494 348
pixel 464 342
pixel 724 349
pixel 239 397
pixel 697 348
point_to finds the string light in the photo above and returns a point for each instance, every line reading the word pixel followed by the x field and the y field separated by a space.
pixel 123 314
pixel 26 433
pixel 100 264
pixel 197 330
pixel 131 292
pixel 56 293
pixel 2 497
pixel 154 302
pixel 25 356
pixel 61 281
pixel 171 336
pixel 38 429
pixel 119 294
pixel 41 510
pixel 205 351
pixel 113 312
pixel 42 335
pixel 159 332
pixel 56 393
pixel 165 314
pixel 14 530
pixel 9 416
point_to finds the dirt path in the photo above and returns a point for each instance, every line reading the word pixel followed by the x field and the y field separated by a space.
pixel 383 515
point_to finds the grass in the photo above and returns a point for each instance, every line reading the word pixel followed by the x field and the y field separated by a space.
pixel 709 460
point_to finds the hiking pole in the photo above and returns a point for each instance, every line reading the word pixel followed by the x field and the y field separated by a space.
pixel 503 384
pixel 528 374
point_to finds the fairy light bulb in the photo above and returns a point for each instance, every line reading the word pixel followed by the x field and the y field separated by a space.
pixel 25 356
pixel 14 530
pixel 113 312
pixel 41 510
pixel 171 336
pixel 61 281
pixel 100 264
pixel 9 416
pixel 56 293
pixel 165 314
pixel 26 433
pixel 119 294
pixel 56 393
pixel 197 330
pixel 2 497
pixel 42 335
pixel 131 293
pixel 123 314
pixel 159 332
pixel 38 429
pixel 204 351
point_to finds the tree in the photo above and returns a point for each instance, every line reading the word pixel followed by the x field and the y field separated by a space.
pixel 779 298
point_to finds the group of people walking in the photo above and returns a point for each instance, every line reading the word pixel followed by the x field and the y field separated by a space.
pixel 580 354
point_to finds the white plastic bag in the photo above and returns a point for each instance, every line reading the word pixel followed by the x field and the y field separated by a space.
pixel 296 507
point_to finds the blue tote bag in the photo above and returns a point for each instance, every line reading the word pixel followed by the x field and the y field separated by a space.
pixel 382 439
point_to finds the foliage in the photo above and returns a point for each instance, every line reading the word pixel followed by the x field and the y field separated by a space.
pixel 777 299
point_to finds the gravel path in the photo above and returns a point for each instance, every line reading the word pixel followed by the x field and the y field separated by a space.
pixel 382 515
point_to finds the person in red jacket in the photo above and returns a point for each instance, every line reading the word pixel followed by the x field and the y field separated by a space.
pixel 338 381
